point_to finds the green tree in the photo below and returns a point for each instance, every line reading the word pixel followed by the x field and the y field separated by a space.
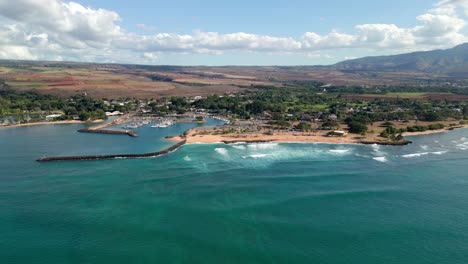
pixel 357 127
pixel 304 127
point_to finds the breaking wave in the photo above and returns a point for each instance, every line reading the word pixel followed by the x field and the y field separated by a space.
pixel 339 151
pixel 241 147
pixel 380 159
pixel 463 146
pixel 414 155
pixel 263 146
pixel 255 156
pixel 222 151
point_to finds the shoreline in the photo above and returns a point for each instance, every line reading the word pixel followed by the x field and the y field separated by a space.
pixel 428 132
pixel 297 137
pixel 64 122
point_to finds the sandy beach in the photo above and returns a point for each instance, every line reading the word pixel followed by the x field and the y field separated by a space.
pixel 258 137
pixel 195 136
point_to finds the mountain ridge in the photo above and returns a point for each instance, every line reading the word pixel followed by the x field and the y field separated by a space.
pixel 453 62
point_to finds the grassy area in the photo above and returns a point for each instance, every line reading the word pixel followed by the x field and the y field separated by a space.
pixel 319 107
pixel 25 84
pixel 54 72
pixel 12 70
pixel 46 70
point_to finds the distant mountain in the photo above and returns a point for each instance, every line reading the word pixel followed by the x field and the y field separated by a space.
pixel 453 62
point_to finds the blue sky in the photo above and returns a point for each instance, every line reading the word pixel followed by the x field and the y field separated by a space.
pixel 294 32
pixel 280 18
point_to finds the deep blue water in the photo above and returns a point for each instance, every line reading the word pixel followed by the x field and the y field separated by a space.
pixel 256 203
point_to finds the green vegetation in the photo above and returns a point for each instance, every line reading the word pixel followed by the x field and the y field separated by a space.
pixel 391 132
pixel 283 106
pixel 410 95
pixel 304 127
pixel 21 104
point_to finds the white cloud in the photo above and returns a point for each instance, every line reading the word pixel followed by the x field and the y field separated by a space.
pixel 55 29
pixel 17 53
pixel 150 57
pixel 319 55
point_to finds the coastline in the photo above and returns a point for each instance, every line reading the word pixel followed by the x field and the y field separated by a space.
pixel 65 122
pixel 195 137
pixel 428 132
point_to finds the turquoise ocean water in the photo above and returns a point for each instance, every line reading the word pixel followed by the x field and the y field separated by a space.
pixel 256 203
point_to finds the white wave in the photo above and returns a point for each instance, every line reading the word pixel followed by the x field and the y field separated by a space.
pixel 263 146
pixel 415 155
pixel 222 151
pixel 187 158
pixel 377 152
pixel 380 159
pixel 424 147
pixel 255 156
pixel 241 147
pixel 339 151
pixel 463 146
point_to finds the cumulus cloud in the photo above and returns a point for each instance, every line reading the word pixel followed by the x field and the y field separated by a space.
pixel 56 29
pixel 16 53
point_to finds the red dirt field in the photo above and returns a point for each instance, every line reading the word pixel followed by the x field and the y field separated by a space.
pixel 114 83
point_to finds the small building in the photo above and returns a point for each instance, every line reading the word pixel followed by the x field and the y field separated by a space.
pixel 115 113
pixel 52 117
pixel 337 133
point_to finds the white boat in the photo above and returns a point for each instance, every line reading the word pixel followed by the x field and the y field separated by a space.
pixel 163 124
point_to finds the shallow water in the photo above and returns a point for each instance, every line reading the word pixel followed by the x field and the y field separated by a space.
pixel 242 203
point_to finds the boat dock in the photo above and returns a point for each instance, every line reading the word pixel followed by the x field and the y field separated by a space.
pixel 114 156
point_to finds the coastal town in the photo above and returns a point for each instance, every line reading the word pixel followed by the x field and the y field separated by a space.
pixel 272 114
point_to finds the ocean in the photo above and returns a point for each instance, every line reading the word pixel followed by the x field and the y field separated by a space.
pixel 241 203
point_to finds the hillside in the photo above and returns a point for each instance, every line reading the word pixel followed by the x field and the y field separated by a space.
pixel 452 62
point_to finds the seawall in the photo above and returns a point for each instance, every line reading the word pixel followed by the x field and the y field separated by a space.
pixel 109 132
pixel 114 156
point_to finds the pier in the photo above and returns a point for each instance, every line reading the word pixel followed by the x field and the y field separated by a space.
pixel 114 156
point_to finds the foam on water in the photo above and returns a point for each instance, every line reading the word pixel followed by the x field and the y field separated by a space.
pixel 380 159
pixel 247 155
pixel 439 152
pixel 376 150
pixel 339 151
pixel 263 146
pixel 255 156
pixel 415 155
pixel 463 146
pixel 187 158
pixel 238 143
pixel 240 147
pixel 222 151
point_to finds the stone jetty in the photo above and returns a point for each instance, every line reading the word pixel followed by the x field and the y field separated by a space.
pixel 114 156
pixel 109 131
